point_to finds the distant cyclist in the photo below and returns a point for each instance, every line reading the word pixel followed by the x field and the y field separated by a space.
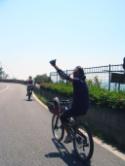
pixel 80 102
pixel 29 84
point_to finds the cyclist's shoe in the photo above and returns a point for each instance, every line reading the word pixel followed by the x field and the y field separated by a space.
pixel 68 139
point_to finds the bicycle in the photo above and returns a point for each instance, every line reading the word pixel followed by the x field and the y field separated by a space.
pixel 81 135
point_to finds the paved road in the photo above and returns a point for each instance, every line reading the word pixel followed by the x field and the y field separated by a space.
pixel 26 139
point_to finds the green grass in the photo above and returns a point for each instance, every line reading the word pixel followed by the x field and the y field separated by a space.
pixel 42 98
pixel 61 88
pixel 111 99
pixel 98 95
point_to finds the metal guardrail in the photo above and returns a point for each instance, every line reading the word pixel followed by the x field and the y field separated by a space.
pixel 98 69
pixel 108 69
pixel 13 81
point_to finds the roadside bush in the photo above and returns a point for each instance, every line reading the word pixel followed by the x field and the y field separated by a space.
pixel 98 95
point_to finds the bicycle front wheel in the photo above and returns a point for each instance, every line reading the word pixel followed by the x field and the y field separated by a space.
pixel 83 143
pixel 57 128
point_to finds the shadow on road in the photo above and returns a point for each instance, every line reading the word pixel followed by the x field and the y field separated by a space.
pixel 29 100
pixel 69 158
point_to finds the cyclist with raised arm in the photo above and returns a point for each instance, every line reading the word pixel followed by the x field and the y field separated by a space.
pixel 80 102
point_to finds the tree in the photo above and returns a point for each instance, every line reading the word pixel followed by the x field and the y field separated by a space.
pixel 1 72
pixel 3 75
pixel 42 78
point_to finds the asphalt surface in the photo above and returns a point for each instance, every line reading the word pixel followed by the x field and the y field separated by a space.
pixel 26 138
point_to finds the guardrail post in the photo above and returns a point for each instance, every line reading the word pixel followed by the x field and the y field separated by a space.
pixel 118 86
pixel 109 86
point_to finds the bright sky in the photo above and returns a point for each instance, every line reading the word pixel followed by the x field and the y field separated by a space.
pixel 75 32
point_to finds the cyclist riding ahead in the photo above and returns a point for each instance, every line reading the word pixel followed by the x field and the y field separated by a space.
pixel 80 102
pixel 29 84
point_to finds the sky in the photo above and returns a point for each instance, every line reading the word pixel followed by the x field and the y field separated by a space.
pixel 33 32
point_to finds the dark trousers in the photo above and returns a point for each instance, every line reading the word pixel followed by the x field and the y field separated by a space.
pixel 71 113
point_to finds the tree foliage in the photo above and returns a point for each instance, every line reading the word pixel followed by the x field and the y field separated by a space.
pixel 3 75
pixel 42 78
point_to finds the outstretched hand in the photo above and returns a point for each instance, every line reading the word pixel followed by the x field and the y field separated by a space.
pixel 53 62
pixel 62 74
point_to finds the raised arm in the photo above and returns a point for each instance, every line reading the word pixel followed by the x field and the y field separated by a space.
pixel 62 74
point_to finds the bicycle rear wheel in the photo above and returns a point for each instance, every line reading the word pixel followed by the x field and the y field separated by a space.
pixel 83 143
pixel 57 128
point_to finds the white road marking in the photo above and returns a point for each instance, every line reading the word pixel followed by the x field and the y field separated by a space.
pixel 96 140
pixel 3 90
pixel 109 148
pixel 39 101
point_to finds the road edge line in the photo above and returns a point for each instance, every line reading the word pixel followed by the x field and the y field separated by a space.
pixel 109 148
pixel 39 101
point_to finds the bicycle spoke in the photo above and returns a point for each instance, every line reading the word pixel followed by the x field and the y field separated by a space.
pixel 57 128
pixel 83 143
